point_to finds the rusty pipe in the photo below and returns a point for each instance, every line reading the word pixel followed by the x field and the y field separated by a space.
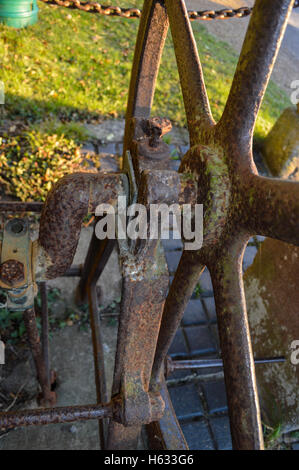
pixel 66 414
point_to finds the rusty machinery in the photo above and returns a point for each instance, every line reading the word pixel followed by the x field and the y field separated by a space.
pixel 218 170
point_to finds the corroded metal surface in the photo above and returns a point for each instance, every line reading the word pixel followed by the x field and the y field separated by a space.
pixel 45 330
pixel 70 200
pixel 217 171
pixel 68 414
pixel 166 433
pixel 148 50
pixel 171 365
pixel 167 186
pixel 145 283
pixel 47 397
pixel 11 272
pixel 237 203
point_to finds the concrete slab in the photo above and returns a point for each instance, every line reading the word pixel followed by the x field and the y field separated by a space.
pixel 109 283
pixel 72 358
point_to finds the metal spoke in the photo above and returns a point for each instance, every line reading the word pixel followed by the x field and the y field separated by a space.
pixel 239 372
pixel 45 330
pixel 166 434
pixel 272 207
pixel 181 289
pixel 149 47
pixel 98 353
pixel 261 45
pixel 191 76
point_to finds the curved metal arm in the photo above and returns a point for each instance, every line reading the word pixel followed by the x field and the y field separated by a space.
pixel 69 201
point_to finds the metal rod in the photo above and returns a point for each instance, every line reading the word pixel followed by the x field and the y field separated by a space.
pixel 45 329
pixel 259 51
pixel 74 271
pixel 98 353
pixel 209 363
pixel 236 349
pixel 98 254
pixel 271 193
pixel 150 42
pixel 48 397
pixel 191 77
pixel 66 414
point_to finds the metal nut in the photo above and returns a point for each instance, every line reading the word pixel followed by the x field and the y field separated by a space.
pixel 12 272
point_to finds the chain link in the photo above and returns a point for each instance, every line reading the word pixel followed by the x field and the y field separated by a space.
pixel 224 14
pixel 93 7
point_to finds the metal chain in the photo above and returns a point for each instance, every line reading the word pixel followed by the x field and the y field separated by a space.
pixel 93 7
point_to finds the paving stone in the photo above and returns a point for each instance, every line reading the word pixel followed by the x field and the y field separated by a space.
pixel 175 151
pixel 111 130
pixel 206 284
pixel 119 149
pixel 22 378
pixel 221 430
pixel 249 256
pixel 194 313
pixel 197 436
pixel 184 149
pixel 109 162
pixel 200 340
pixel 215 395
pixel 108 148
pixel 252 241
pixel 178 346
pixel 175 164
pixel 209 303
pixel 72 358
pixel 173 259
pixel 178 135
pixel 180 374
pixel 186 401
pixel 87 148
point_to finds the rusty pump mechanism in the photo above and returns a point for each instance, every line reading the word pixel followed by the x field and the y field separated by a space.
pixel 218 171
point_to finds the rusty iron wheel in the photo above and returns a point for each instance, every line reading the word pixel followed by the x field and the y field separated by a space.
pixel 238 203
pixel 217 171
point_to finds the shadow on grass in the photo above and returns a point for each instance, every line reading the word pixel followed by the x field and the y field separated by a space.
pixel 33 110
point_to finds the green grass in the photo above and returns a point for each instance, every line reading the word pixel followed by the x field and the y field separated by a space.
pixel 32 161
pixel 76 66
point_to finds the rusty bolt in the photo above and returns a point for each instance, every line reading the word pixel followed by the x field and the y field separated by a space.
pixel 11 272
pixel 158 127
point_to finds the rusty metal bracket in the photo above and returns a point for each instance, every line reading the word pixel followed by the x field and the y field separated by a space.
pixel 16 274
